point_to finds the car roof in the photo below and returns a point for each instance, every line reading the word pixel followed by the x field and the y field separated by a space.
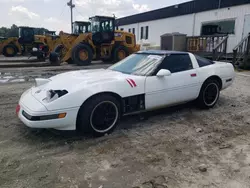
pixel 161 52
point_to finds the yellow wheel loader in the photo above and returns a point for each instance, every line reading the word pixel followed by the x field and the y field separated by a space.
pixel 102 43
pixel 51 39
pixel 9 47
pixel 27 43
pixel 66 39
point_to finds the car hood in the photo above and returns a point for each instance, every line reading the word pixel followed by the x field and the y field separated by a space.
pixel 70 81
pixel 83 77
pixel 82 84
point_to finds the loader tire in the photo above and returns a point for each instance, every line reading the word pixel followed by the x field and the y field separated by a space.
pixel 10 50
pixel 82 54
pixel 120 52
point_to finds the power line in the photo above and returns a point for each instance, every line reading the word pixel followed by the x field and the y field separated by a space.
pixel 79 13
pixel 63 10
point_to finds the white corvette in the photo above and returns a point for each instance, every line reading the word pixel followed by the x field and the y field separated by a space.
pixel 94 100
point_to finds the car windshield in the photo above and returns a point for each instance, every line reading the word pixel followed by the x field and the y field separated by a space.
pixel 138 64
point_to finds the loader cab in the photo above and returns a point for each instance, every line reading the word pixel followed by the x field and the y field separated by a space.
pixel 50 33
pixel 26 35
pixel 81 27
pixel 103 29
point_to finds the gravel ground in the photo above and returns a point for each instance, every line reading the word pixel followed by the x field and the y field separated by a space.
pixel 175 147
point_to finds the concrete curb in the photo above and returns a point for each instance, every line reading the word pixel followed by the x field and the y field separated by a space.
pixel 18 65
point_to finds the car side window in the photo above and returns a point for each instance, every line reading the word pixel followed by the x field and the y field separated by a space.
pixel 177 63
pixel 203 61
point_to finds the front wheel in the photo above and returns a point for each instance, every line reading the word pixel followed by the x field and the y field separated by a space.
pixel 82 54
pixel 99 115
pixel 10 50
pixel 209 94
pixel 120 53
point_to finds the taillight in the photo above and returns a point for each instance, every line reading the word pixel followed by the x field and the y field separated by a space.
pixel 17 109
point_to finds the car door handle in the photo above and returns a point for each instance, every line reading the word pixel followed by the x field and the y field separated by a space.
pixel 193 75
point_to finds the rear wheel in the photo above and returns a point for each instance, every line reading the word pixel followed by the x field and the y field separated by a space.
pixel 99 115
pixel 120 53
pixel 10 50
pixel 82 54
pixel 209 94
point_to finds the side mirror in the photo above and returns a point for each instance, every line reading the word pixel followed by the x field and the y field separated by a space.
pixel 163 72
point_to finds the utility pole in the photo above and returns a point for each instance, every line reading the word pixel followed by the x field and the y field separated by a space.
pixel 71 6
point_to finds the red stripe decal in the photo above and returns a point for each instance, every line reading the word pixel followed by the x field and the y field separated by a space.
pixel 129 83
pixel 133 82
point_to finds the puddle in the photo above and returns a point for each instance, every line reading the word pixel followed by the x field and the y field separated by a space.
pixel 16 77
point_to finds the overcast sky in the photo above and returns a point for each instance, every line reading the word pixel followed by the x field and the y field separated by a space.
pixel 55 15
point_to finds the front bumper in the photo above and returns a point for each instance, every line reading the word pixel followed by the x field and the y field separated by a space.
pixel 35 115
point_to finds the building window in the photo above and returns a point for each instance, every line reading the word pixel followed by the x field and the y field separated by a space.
pixel 144 32
pixel 133 30
pixel 219 27
pixel 129 30
pixel 121 29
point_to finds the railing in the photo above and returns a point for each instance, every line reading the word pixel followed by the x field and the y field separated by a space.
pixel 220 49
pixel 241 51
pixel 206 44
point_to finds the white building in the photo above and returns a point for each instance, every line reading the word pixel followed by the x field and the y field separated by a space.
pixel 194 18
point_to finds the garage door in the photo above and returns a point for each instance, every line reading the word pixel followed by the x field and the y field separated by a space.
pixel 246 29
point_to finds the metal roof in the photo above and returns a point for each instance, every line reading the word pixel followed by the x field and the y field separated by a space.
pixel 161 52
pixel 82 22
pixel 180 9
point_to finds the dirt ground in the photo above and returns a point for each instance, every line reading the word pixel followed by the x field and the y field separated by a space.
pixel 175 147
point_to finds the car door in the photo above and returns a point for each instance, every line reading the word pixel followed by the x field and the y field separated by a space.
pixel 182 85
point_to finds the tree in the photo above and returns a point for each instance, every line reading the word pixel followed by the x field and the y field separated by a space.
pixel 13 31
pixel 40 31
pixel 3 31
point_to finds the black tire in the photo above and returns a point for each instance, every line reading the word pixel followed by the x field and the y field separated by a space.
pixel 87 115
pixel 58 48
pixel 41 57
pixel 76 54
pixel 54 59
pixel 55 56
pixel 116 51
pixel 106 61
pixel 205 100
pixel 12 47
pixel 70 61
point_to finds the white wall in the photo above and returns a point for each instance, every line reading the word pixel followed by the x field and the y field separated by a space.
pixel 191 24
pixel 131 26
pixel 238 13
pixel 181 24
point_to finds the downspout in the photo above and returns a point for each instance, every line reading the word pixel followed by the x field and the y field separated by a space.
pixel 138 31
pixel 194 22
pixel 219 4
